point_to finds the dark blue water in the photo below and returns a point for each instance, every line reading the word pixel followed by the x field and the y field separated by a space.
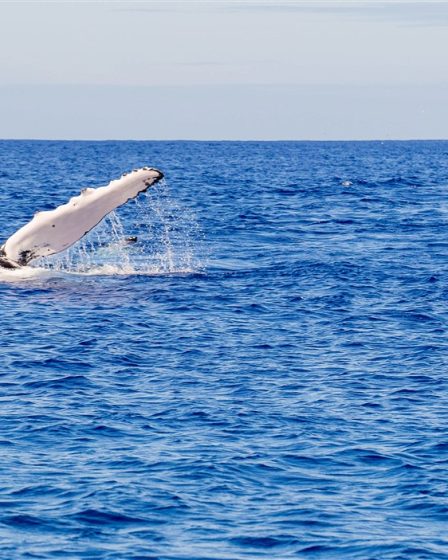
pixel 283 396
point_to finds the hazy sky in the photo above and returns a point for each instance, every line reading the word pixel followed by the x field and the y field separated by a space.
pixel 224 69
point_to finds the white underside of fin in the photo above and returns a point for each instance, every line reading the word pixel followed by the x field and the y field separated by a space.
pixel 55 230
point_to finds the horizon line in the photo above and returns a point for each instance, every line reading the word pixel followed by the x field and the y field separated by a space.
pixel 413 139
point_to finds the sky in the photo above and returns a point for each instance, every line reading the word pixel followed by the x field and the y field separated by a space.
pixel 224 70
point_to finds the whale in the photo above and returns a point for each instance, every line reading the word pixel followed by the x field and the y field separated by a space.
pixel 53 231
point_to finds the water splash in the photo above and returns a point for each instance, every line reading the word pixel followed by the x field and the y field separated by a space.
pixel 168 240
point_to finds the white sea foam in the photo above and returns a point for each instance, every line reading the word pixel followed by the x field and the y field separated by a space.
pixel 23 273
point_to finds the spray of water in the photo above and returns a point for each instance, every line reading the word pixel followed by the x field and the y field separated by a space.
pixel 168 240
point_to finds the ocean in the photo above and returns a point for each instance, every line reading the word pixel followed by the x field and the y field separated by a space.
pixel 263 374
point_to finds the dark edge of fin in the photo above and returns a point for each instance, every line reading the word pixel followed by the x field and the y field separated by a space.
pixel 5 262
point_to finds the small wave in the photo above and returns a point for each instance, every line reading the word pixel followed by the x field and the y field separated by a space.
pixel 118 270
pixel 98 517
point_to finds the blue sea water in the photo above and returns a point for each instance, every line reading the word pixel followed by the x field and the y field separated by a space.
pixel 263 375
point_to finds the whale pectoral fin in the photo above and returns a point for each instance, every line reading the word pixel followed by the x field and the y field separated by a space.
pixel 53 231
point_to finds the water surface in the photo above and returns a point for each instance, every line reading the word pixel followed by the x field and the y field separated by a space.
pixel 263 375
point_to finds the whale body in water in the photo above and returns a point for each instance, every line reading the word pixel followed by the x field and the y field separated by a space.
pixel 53 231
